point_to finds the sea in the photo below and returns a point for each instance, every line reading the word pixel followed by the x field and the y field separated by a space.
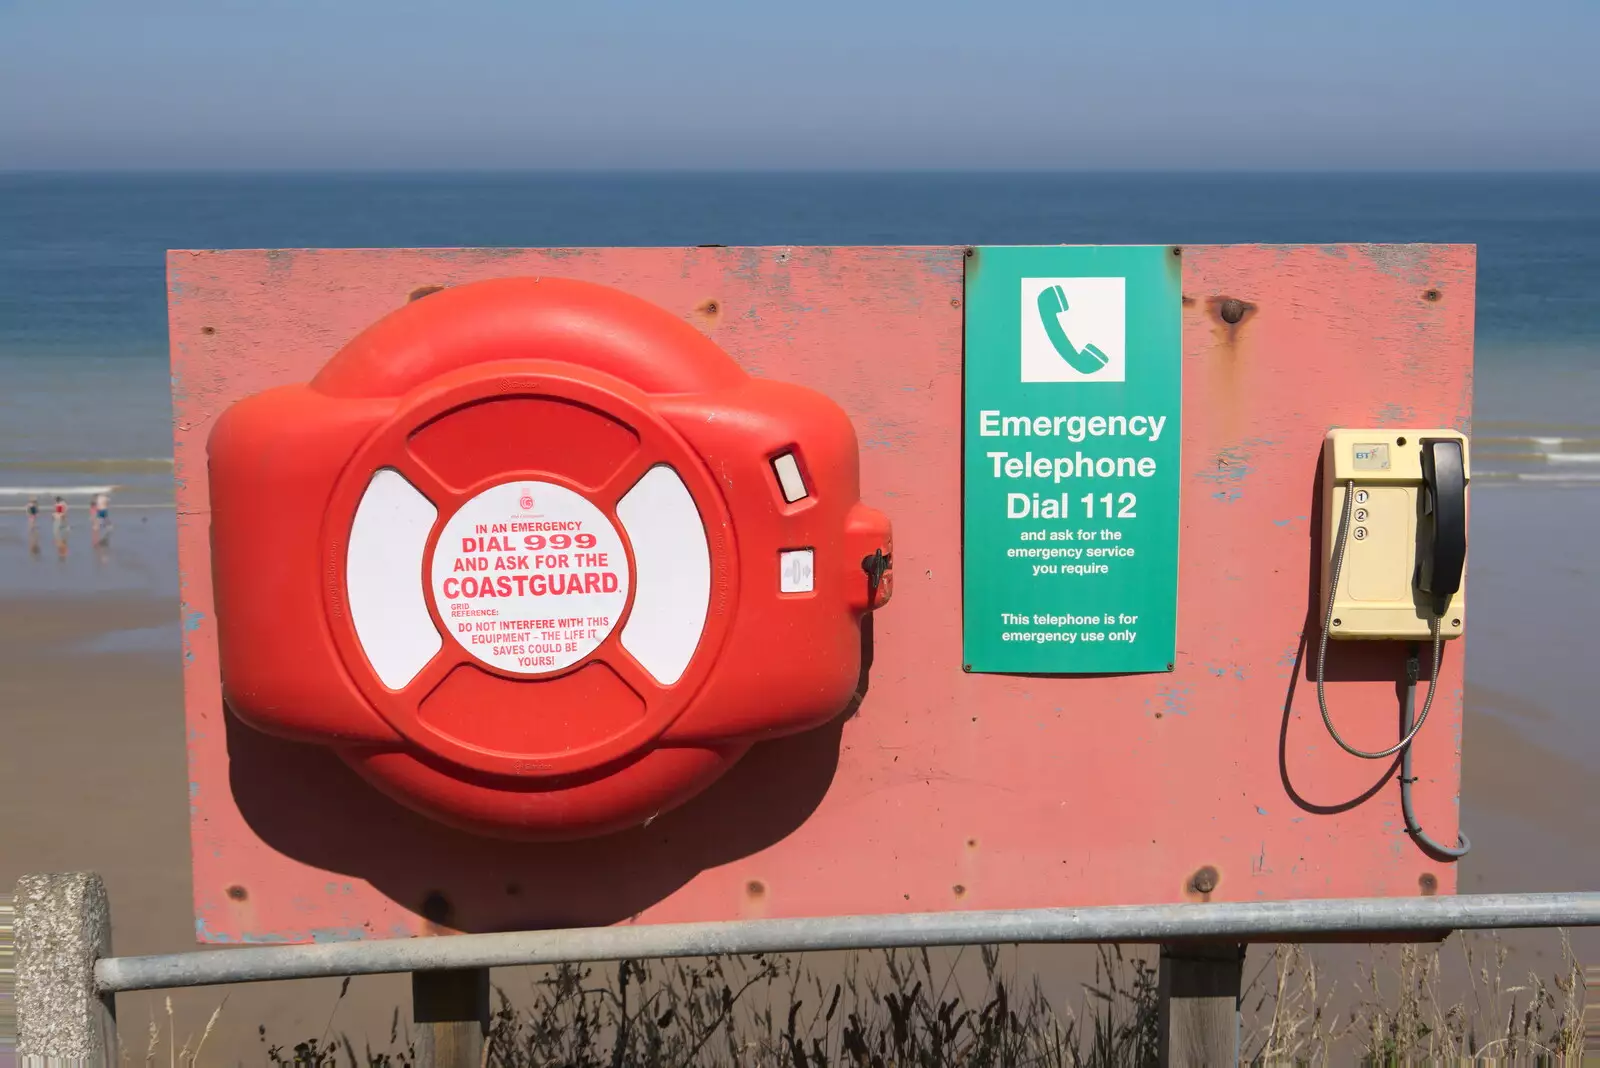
pixel 84 380
pixel 83 344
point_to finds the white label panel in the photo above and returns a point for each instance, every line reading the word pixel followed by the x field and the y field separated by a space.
pixel 530 577
pixel 383 578
pixel 674 561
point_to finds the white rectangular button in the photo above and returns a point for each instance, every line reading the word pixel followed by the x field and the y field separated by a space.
pixel 789 480
pixel 796 571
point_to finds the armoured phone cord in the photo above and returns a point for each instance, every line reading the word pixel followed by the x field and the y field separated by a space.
pixel 1409 730
pixel 1463 843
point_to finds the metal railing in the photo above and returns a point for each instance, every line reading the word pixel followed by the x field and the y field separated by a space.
pixel 1222 921
pixel 67 978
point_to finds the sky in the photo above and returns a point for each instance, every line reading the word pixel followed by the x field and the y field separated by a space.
pixel 816 84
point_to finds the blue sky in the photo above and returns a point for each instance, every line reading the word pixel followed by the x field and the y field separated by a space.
pixel 1358 84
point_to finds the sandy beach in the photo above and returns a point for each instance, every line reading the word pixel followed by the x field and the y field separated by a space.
pixel 92 765
pixel 93 779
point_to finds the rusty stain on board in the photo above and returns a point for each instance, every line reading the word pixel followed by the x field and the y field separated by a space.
pixel 1228 315
pixel 709 310
pixel 1231 313
pixel 1203 883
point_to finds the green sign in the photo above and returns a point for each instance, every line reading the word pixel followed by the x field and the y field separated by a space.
pixel 1072 427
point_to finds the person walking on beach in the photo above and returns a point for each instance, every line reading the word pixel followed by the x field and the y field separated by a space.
pixel 33 513
pixel 58 520
pixel 101 517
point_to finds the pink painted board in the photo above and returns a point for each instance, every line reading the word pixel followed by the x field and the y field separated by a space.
pixel 944 790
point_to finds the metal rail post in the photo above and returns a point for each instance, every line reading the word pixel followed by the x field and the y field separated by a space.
pixel 63 927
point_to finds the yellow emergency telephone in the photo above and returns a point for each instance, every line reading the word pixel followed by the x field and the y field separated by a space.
pixel 1394 536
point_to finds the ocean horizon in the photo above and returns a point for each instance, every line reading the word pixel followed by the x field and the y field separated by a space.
pixel 83 297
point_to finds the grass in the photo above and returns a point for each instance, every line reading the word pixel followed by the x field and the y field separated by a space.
pixel 898 1009
pixel 178 1056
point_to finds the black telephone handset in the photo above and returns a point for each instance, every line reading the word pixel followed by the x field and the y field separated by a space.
pixel 1444 497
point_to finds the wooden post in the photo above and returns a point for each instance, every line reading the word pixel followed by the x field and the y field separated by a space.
pixel 63 925
pixel 451 1010
pixel 1591 1017
pixel 1199 989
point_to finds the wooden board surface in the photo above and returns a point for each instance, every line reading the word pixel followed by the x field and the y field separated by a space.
pixel 943 790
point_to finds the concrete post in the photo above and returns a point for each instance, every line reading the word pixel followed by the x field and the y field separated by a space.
pixel 63 925
pixel 1199 988
pixel 8 973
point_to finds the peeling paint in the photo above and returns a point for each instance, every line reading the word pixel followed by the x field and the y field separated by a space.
pixel 1408 263
pixel 204 934
pixel 270 938
pixel 1170 700
pixel 1230 469
pixel 1396 415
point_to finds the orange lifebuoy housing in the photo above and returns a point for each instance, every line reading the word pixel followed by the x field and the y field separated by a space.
pixel 538 559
